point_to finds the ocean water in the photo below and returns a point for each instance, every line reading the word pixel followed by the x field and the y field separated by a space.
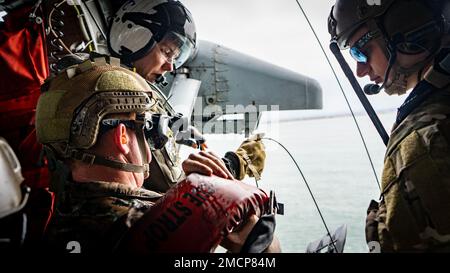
pixel 332 157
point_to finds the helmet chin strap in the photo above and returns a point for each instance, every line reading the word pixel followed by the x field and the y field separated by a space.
pixel 372 89
pixel 92 159
pixel 399 84
pixel 141 142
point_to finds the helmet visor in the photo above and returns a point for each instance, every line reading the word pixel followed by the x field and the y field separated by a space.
pixel 176 48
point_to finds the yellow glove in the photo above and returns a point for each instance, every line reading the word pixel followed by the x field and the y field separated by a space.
pixel 251 156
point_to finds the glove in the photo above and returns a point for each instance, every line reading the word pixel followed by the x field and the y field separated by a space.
pixel 251 156
pixel 255 236
pixel 194 216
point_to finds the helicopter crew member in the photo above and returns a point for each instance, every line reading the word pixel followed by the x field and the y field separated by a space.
pixel 403 45
pixel 156 37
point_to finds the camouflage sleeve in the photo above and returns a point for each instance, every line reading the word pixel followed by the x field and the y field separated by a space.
pixel 415 214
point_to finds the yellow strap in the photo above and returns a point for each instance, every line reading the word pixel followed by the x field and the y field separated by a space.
pixel 252 167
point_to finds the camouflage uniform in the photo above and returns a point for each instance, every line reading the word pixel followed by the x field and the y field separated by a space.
pixel 165 167
pixel 96 215
pixel 414 214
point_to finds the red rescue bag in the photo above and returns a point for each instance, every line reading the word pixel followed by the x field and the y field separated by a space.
pixel 194 216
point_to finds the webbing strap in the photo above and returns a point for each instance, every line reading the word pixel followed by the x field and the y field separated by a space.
pixel 92 159
pixel 141 143
pixel 252 167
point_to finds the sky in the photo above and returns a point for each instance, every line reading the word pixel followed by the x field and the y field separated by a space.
pixel 277 32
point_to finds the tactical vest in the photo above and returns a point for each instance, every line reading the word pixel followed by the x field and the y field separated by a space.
pixel 165 167
pixel 414 214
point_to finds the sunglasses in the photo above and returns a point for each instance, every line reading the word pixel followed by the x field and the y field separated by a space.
pixel 356 50
pixel 143 124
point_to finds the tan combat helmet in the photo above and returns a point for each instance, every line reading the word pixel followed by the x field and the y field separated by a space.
pixel 71 111
pixel 406 26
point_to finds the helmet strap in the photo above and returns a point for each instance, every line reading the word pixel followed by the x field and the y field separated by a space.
pixel 141 143
pixel 401 74
pixel 92 159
